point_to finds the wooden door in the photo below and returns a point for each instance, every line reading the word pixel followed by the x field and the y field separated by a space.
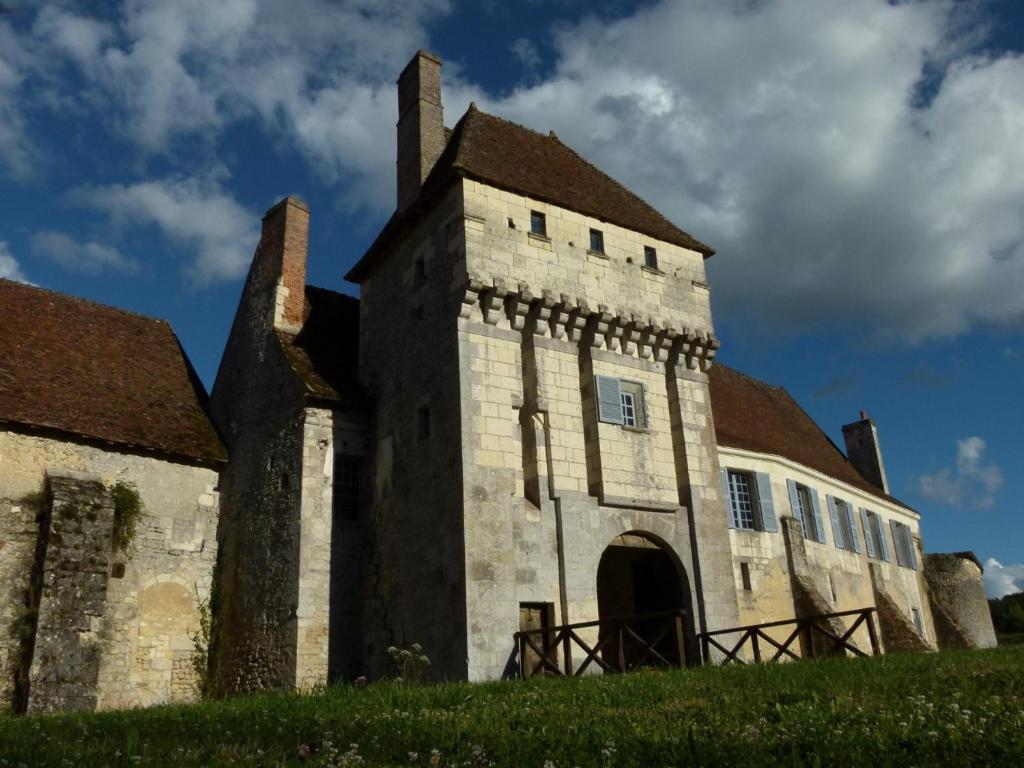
pixel 535 616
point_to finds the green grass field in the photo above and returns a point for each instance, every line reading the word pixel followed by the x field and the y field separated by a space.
pixel 955 708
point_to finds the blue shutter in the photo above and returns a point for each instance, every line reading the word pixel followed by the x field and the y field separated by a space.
pixel 766 502
pixel 897 542
pixel 869 538
pixel 727 498
pixel 609 399
pixel 794 504
pixel 837 529
pixel 853 527
pixel 883 540
pixel 819 522
pixel 911 549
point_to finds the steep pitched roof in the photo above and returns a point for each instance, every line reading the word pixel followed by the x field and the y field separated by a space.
pixel 101 373
pixel 325 353
pixel 509 156
pixel 756 416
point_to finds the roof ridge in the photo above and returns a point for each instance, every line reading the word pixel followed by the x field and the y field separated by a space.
pixel 87 302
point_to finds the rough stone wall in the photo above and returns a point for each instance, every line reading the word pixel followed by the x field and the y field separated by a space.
pixel 547 486
pixel 898 631
pixel 409 364
pixel 773 565
pixel 174 544
pixel 75 549
pixel 258 405
pixel 955 584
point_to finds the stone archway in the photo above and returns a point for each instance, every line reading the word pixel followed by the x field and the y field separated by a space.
pixel 638 574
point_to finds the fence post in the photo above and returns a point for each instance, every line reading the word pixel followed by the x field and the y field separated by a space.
pixel 757 648
pixel 680 641
pixel 567 651
pixel 871 632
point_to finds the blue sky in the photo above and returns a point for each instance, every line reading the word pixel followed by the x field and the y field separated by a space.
pixel 858 164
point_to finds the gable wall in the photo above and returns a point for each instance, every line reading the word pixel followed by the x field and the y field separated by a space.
pixel 145 649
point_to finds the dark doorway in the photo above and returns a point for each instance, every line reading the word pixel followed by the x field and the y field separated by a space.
pixel 637 576
pixel 534 617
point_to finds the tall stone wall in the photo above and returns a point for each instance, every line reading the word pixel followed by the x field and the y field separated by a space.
pixel 956 587
pixel 409 363
pixel 547 485
pixel 144 645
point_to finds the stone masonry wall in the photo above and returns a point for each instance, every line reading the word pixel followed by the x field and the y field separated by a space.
pixel 955 584
pixel 547 487
pixel 75 549
pixel 409 364
pixel 145 643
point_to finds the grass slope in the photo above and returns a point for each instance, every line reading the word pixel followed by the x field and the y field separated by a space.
pixel 955 708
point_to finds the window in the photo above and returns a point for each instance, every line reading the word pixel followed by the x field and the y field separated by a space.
pixel 745 576
pixel 349 473
pixel 807 509
pixel 650 257
pixel 748 497
pixel 538 224
pixel 597 240
pixel 874 536
pixel 903 540
pixel 620 402
pixel 844 531
pixel 918 622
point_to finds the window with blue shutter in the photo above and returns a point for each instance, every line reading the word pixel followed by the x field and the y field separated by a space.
pixel 819 522
pixel 897 542
pixel 882 537
pixel 850 529
pixel 609 399
pixel 837 528
pixel 794 504
pixel 869 536
pixel 730 514
pixel 911 549
pixel 767 503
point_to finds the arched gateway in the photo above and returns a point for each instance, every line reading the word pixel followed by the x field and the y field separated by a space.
pixel 640 582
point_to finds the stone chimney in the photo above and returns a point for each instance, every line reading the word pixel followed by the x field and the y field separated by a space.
pixel 420 124
pixel 284 244
pixel 864 452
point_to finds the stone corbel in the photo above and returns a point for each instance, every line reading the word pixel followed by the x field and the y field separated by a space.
pixel 559 317
pixel 470 298
pixel 710 350
pixel 541 312
pixel 598 325
pixel 648 347
pixel 493 300
pixel 517 305
pixel 630 338
pixel 613 336
pixel 576 324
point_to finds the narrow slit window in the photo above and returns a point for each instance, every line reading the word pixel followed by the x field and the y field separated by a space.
pixel 597 241
pixel 538 224
pixel 650 257
pixel 745 576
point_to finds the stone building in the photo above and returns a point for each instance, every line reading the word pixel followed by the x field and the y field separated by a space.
pixel 108 505
pixel 519 425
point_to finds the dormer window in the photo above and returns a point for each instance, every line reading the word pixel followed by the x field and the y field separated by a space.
pixel 650 257
pixel 538 224
pixel 597 241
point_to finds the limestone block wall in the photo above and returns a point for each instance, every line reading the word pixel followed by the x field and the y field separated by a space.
pixel 409 364
pixel 956 589
pixel 547 486
pixel 145 645
pixel 842 577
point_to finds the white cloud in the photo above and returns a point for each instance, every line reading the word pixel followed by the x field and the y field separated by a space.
pixel 315 72
pixel 1002 580
pixel 196 214
pixel 9 267
pixel 17 152
pixel 790 136
pixel 90 257
pixel 973 482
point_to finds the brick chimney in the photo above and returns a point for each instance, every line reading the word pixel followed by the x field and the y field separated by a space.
pixel 864 452
pixel 420 124
pixel 284 243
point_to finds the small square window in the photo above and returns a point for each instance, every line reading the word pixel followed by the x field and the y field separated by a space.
pixel 538 224
pixel 650 257
pixel 597 241
pixel 422 423
pixel 621 402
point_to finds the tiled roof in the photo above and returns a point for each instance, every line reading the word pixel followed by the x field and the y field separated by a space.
pixel 101 373
pixel 756 416
pixel 511 157
pixel 325 353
